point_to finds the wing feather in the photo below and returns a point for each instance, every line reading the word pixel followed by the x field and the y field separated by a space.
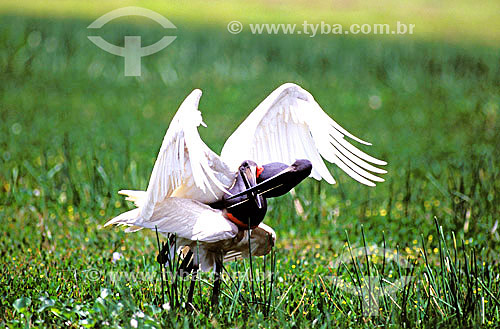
pixel 185 166
pixel 290 125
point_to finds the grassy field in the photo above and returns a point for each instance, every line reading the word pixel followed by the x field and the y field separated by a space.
pixel 420 250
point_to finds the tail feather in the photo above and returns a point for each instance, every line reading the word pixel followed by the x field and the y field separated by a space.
pixel 133 229
pixel 137 197
pixel 127 218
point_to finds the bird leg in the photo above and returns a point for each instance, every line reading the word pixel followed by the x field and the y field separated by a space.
pixel 163 255
pixel 217 281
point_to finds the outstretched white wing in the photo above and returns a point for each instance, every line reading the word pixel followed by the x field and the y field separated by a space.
pixel 185 166
pixel 188 219
pixel 290 125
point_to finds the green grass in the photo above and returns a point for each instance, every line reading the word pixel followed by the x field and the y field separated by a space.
pixel 457 21
pixel 74 131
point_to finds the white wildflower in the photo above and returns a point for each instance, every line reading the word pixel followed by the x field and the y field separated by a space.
pixel 116 256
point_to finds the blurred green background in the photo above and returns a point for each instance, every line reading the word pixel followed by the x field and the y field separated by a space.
pixel 75 130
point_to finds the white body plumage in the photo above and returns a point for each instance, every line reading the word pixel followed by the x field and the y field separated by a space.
pixel 187 175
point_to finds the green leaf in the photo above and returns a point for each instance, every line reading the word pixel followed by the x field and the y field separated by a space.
pixel 54 170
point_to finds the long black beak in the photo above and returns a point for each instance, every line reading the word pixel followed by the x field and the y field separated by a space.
pixel 251 194
pixel 265 186
pixel 281 181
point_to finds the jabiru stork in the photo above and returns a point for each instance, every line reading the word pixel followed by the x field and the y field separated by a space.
pixel 215 204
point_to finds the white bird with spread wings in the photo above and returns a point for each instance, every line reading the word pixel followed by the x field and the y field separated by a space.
pixel 188 178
